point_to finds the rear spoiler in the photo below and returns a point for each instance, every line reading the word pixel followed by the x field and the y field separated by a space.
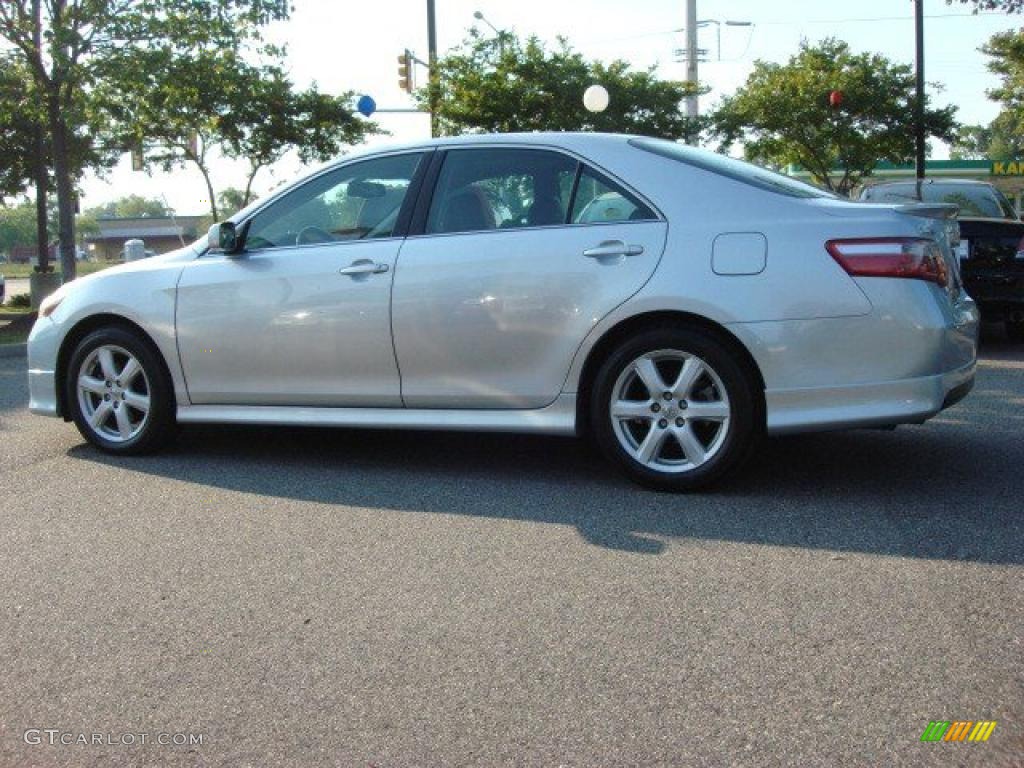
pixel 930 210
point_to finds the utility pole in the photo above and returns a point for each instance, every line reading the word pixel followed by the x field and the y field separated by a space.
pixel 434 82
pixel 691 55
pixel 919 102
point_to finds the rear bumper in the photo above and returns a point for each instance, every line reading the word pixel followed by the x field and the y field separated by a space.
pixel 899 366
pixel 909 401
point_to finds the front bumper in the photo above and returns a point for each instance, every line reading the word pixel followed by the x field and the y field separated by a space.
pixel 43 344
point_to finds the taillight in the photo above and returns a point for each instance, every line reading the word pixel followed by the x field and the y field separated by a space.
pixel 912 257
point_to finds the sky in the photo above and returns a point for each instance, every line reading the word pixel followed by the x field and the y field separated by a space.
pixel 353 46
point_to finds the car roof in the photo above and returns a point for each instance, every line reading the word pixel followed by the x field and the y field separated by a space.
pixel 565 139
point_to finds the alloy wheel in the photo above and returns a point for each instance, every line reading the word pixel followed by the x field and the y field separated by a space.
pixel 113 393
pixel 670 411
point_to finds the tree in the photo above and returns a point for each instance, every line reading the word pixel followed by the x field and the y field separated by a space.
pixel 1002 139
pixel 69 46
pixel 17 226
pixel 274 118
pixel 231 200
pixel 181 108
pixel 1007 6
pixel 505 85
pixel 131 206
pixel 783 113
pixel 23 147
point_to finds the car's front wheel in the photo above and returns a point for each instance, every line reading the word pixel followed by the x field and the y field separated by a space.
pixel 118 392
pixel 674 409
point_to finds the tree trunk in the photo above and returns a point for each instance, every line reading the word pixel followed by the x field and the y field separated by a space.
pixel 42 179
pixel 42 190
pixel 65 188
pixel 209 189
pixel 248 185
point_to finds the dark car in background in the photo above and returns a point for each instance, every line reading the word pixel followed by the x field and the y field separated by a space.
pixel 991 246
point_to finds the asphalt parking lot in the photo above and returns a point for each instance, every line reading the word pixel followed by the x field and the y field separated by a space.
pixel 308 598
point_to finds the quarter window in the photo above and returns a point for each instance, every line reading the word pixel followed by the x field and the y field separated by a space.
pixel 355 202
pixel 484 189
pixel 598 200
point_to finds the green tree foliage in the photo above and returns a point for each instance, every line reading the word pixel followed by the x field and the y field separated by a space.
pixel 782 113
pixel 1005 135
pixel 1007 6
pixel 131 206
pixel 275 118
pixel 508 84
pixel 18 124
pixel 72 46
pixel 17 226
pixel 230 201
pixel 182 108
pixel 1002 139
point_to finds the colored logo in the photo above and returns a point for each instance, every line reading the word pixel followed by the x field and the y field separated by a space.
pixel 1009 168
pixel 958 730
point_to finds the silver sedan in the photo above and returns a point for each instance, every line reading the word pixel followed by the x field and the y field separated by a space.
pixel 672 304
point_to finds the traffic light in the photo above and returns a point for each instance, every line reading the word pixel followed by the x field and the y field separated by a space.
pixel 138 162
pixel 405 71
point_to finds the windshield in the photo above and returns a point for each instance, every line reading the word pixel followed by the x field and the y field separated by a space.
pixel 737 170
pixel 974 199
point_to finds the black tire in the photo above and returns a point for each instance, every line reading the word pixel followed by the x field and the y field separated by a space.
pixel 1015 330
pixel 745 402
pixel 157 427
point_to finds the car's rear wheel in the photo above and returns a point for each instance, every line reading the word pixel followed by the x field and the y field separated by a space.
pixel 1015 330
pixel 119 394
pixel 674 409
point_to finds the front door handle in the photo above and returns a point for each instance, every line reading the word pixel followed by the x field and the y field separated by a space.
pixel 363 267
pixel 611 249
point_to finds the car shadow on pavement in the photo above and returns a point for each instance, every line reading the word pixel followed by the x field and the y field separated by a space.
pixel 941 491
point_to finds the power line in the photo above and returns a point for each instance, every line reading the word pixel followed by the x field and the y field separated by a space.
pixel 879 18
pixel 797 23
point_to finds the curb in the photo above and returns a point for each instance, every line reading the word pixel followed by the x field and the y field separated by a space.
pixel 13 350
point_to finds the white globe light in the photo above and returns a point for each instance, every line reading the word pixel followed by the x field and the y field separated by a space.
pixel 595 98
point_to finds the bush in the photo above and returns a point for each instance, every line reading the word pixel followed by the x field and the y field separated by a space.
pixel 21 301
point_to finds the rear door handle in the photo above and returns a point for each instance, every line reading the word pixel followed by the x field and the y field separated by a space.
pixel 363 267
pixel 612 248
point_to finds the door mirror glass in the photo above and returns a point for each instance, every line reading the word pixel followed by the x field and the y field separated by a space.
pixel 223 237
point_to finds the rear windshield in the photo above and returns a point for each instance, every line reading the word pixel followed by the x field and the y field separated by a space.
pixel 973 199
pixel 737 170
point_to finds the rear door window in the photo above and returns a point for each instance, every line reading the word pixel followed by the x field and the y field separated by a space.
pixel 501 188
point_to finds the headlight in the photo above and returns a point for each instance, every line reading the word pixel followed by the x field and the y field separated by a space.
pixel 50 303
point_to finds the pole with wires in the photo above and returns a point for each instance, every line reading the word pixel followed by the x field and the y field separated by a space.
pixel 919 100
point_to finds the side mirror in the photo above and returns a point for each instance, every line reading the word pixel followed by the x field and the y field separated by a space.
pixel 223 237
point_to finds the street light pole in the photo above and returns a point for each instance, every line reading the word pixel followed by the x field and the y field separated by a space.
pixel 434 83
pixel 919 102
pixel 499 35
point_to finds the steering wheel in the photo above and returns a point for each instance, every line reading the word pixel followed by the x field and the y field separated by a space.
pixel 310 235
